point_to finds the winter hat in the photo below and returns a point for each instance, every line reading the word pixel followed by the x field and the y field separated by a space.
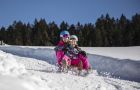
pixel 64 34
pixel 74 37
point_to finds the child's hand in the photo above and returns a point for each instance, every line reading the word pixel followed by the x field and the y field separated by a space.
pixel 65 49
pixel 78 48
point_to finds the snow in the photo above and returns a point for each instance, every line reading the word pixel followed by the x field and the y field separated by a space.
pixel 132 53
pixel 126 69
pixel 14 76
pixel 8 65
pixel 33 68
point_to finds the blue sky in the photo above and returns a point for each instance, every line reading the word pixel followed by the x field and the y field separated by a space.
pixel 71 11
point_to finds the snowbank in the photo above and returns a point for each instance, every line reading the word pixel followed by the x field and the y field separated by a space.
pixel 132 53
pixel 33 52
pixel 124 69
pixel 13 75
pixel 9 66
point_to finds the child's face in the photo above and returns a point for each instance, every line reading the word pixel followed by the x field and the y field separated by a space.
pixel 73 42
pixel 65 39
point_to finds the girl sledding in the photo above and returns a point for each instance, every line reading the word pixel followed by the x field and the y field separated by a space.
pixel 69 55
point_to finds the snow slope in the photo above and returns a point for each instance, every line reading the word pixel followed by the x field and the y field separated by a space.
pixel 35 74
pixel 14 76
pixel 127 69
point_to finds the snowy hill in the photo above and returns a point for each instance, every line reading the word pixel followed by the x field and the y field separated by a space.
pixel 33 68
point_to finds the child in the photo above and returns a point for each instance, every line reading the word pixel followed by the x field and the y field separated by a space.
pixel 61 48
pixel 79 57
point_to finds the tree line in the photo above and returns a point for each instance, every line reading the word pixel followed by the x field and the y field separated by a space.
pixel 107 31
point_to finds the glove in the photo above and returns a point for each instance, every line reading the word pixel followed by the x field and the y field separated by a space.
pixel 76 46
pixel 83 53
pixel 65 49
pixel 79 49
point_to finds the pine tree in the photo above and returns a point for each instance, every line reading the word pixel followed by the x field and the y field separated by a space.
pixel 3 34
pixel 64 26
pixel 98 38
pixel 136 28
pixel 53 33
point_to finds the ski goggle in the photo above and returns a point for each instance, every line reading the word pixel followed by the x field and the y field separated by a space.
pixel 65 36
